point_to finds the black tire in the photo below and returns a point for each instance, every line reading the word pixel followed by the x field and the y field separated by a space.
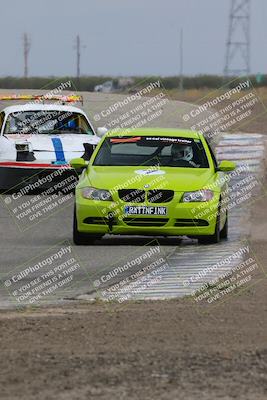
pixel 224 231
pixel 215 238
pixel 80 238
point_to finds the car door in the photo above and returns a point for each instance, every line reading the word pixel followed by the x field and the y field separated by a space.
pixel 2 118
pixel 7 148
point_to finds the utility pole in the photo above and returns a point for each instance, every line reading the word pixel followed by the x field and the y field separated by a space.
pixel 181 81
pixel 237 61
pixel 78 46
pixel 26 51
pixel 78 53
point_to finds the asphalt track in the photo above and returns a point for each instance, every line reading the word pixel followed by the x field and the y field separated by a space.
pixel 88 271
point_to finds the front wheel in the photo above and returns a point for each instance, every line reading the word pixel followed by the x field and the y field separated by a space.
pixel 224 231
pixel 215 238
pixel 80 238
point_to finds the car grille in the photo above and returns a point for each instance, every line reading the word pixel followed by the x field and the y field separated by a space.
pixel 190 222
pixel 160 196
pixel 139 196
pixel 132 195
pixel 145 221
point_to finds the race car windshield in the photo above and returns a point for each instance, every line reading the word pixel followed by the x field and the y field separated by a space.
pixel 150 151
pixel 47 122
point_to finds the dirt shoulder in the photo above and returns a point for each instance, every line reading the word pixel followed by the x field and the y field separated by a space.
pixel 255 123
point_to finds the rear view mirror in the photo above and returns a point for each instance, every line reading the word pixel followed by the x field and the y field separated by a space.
pixel 226 166
pixel 101 131
pixel 78 163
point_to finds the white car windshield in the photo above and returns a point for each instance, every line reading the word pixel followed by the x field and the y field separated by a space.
pixel 47 122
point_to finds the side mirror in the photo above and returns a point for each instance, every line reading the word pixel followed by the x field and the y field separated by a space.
pixel 226 166
pixel 78 163
pixel 101 131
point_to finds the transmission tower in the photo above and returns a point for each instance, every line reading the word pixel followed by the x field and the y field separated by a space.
pixel 26 51
pixel 237 60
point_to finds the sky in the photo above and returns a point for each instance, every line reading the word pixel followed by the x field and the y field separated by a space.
pixel 124 37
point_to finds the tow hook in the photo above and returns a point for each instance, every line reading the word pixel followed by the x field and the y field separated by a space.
pixel 110 221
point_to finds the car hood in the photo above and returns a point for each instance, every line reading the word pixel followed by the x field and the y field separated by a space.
pixel 177 179
pixel 44 149
pixel 70 142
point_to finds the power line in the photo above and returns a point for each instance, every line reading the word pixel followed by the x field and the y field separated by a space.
pixel 237 61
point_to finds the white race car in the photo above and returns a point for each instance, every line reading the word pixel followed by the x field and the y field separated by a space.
pixel 36 139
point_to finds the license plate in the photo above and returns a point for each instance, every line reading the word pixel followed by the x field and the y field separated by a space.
pixel 145 210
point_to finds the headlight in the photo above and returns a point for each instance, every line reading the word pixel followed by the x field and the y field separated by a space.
pixel 198 196
pixel 22 147
pixel 96 194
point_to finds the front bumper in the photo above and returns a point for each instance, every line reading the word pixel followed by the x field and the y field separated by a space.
pixel 190 219
pixel 14 176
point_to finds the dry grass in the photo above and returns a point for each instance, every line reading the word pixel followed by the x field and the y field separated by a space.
pixel 256 123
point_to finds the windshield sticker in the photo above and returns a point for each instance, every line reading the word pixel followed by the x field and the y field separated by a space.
pixel 126 140
pixel 162 139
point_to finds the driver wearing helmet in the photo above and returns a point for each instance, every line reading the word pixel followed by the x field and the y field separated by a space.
pixel 181 152
pixel 69 125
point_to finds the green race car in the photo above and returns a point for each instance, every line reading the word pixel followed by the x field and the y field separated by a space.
pixel 145 181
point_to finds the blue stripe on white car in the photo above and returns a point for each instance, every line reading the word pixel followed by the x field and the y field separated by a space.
pixel 59 151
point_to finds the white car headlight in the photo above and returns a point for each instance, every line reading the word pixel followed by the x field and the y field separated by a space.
pixel 198 196
pixel 24 147
pixel 96 194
